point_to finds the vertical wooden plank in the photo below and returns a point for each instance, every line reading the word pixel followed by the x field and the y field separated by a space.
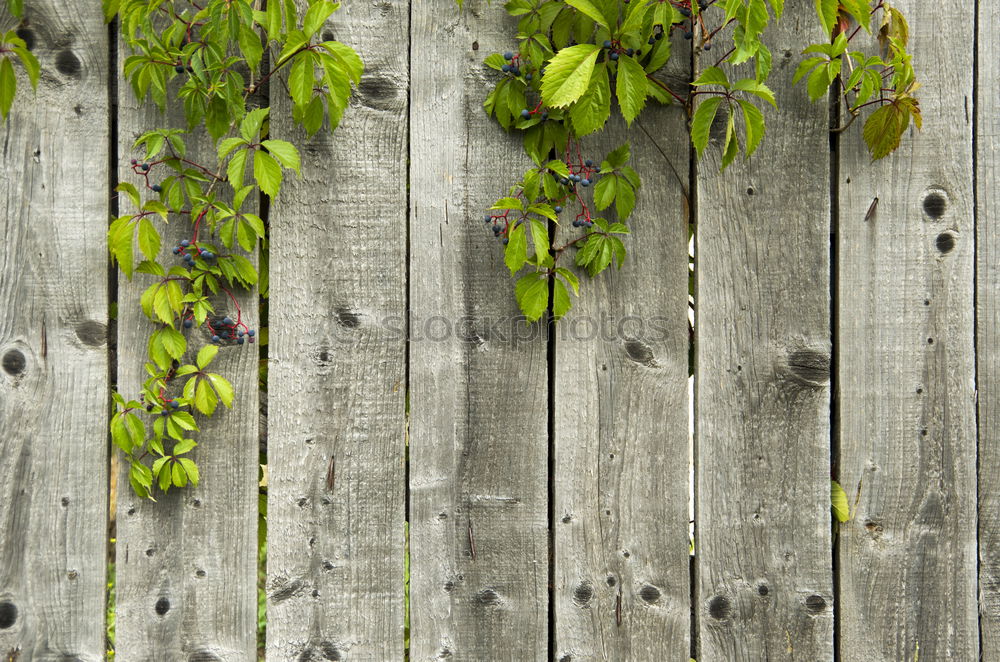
pixel 187 563
pixel 478 375
pixel 622 563
pixel 53 342
pixel 988 325
pixel 762 537
pixel 337 386
pixel 906 369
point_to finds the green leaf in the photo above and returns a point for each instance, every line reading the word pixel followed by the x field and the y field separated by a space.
pixel 560 300
pixel 588 8
pixel 227 145
pixel 540 239
pixel 838 502
pixel 753 121
pixel 174 342
pixel 205 399
pixel 570 278
pixel 222 387
pixel 732 148
pixel 567 75
pixel 316 16
pixel 592 110
pixel 624 198
pixel 30 64
pixel 806 66
pixel 605 191
pixel 149 239
pixel 250 45
pixel 532 294
pixel 191 469
pixel 755 87
pixel 827 12
pixel 236 169
pixel 252 122
pixel 516 253
pixel 347 57
pixel 205 356
pixel 301 79
pixel 267 173
pixel 701 122
pixel 713 76
pixel 631 87
pixel 8 86
pixel 285 152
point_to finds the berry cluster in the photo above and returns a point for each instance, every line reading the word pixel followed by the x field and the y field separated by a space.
pixel 188 250
pixel 616 49
pixel 142 168
pixel 584 173
pixel 165 404
pixel 684 9
pixel 226 330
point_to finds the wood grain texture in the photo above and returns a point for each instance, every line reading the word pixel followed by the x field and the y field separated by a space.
pixel 762 536
pixel 187 564
pixel 53 342
pixel 906 369
pixel 478 375
pixel 337 387
pixel 621 417
pixel 988 327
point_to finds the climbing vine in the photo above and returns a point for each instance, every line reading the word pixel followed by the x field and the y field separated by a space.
pixel 575 57
pixel 210 58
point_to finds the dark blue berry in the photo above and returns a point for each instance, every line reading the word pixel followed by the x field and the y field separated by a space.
pixel 157 188
pixel 145 167
pixel 525 113
pixel 588 163
pixel 227 321
pixel 651 40
pixel 177 251
pixel 659 36
pixel 607 43
pixel 174 404
pixel 164 412
pixel 251 333
pixel 149 407
pixel 527 76
pixel 505 240
pixel 708 47
pixel 496 228
pixel 629 52
pixel 585 182
pixel 508 56
pixel 516 71
pixel 558 209
pixel 545 116
pixel 208 255
pixel 614 56
pixel 239 341
pixel 216 338
pixel 240 333
pixel 188 323
pixel 185 243
pixel 179 68
pixel 684 11
pixel 505 68
pixel 487 218
pixel 576 224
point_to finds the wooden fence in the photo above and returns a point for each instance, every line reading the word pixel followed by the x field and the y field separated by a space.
pixel 536 484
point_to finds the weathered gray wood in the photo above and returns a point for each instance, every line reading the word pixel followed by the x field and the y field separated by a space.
pixel 187 564
pixel 478 376
pixel 337 385
pixel 762 536
pixel 906 369
pixel 988 326
pixel 621 418
pixel 53 343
